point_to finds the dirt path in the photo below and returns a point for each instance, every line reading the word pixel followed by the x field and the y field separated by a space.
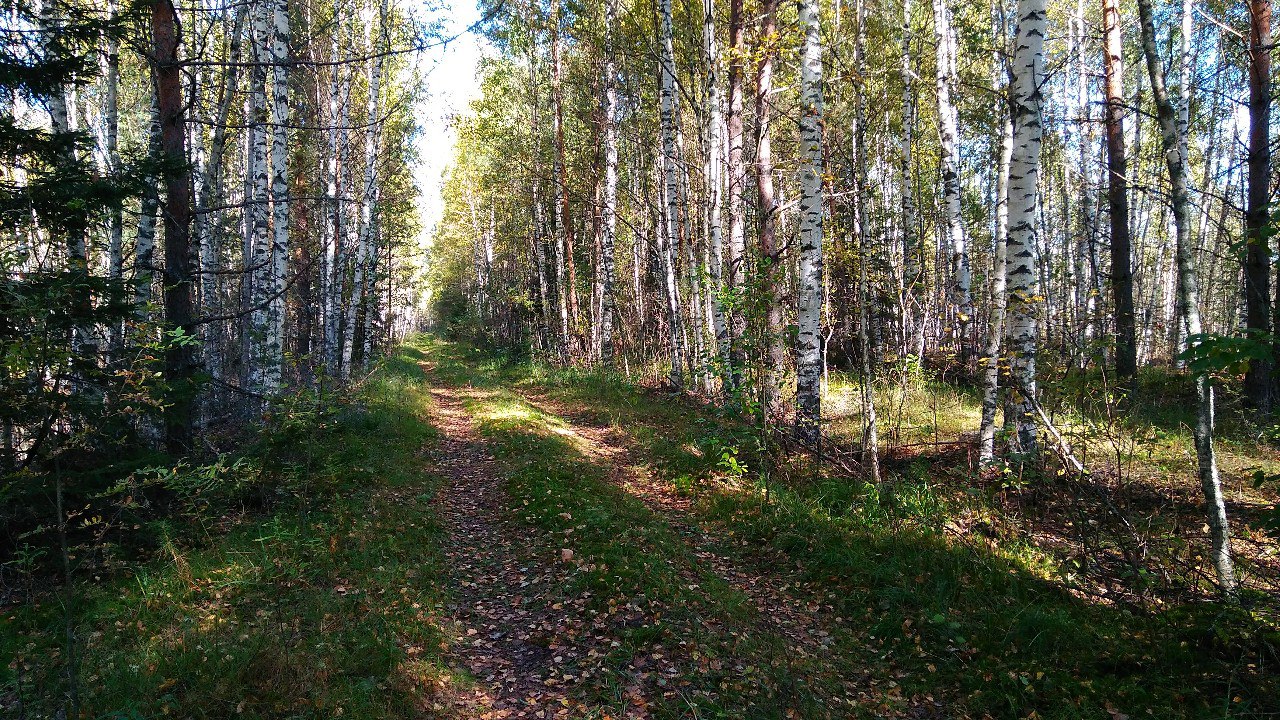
pixel 502 633
pixel 535 649
pixel 785 605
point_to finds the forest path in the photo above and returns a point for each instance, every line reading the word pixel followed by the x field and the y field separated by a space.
pixel 500 637
pixel 784 604
pixel 544 632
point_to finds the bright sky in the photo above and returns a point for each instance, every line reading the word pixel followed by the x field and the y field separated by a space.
pixel 450 73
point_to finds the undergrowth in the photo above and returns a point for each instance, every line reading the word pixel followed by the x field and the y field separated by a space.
pixel 296 579
pixel 947 603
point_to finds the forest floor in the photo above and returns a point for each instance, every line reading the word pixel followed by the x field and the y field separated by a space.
pixel 467 537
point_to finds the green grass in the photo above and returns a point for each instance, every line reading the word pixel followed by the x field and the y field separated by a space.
pixel 980 618
pixel 307 581
pixel 320 605
pixel 632 557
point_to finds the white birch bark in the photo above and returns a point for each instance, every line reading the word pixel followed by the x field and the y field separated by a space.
pixel 1189 299
pixel 208 221
pixel 949 141
pixel 257 245
pixel 861 208
pixel 609 206
pixel 1024 177
pixel 144 242
pixel 670 236
pixel 273 365
pixel 995 331
pixel 1086 295
pixel 361 283
pixel 809 314
pixel 111 133
pixel 912 253
pixel 335 222
pixel 714 175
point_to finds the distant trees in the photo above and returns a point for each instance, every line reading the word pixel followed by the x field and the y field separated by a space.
pixel 768 224
pixel 167 213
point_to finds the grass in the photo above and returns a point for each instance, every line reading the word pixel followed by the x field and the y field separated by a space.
pixel 320 603
pixel 948 595
pixel 306 580
pixel 631 557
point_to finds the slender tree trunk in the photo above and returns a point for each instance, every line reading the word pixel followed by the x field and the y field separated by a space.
pixel 949 140
pixel 995 331
pixel 144 241
pixel 570 289
pixel 1086 241
pixel 208 221
pixel 257 219
pixel 1024 178
pixel 912 250
pixel 111 122
pixel 1118 194
pixel 737 176
pixel 671 184
pixel 809 313
pixel 335 224
pixel 861 207
pixel 714 176
pixel 609 207
pixel 1257 269
pixel 770 259
pixel 279 256
pixel 362 282
pixel 179 316
pixel 1189 297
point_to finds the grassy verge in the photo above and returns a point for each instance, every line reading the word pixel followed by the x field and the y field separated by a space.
pixel 301 585
pixel 983 620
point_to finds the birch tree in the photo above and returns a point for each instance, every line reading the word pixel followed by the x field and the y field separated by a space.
pixel 949 142
pixel 609 205
pixel 1189 301
pixel 809 314
pixel 1024 178
pixel 670 235
pixel 713 173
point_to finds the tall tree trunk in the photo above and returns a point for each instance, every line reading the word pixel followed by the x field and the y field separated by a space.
pixel 208 223
pixel 714 178
pixel 1024 179
pixel 362 282
pixel 912 250
pixel 1118 194
pixel 273 370
pixel 1257 268
pixel 1189 296
pixel 111 123
pixel 670 238
pixel 570 287
pixel 737 176
pixel 809 312
pixel 861 209
pixel 1085 270
pixel 179 356
pixel 999 298
pixel 336 179
pixel 949 141
pixel 257 244
pixel 144 241
pixel 770 259
pixel 609 207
